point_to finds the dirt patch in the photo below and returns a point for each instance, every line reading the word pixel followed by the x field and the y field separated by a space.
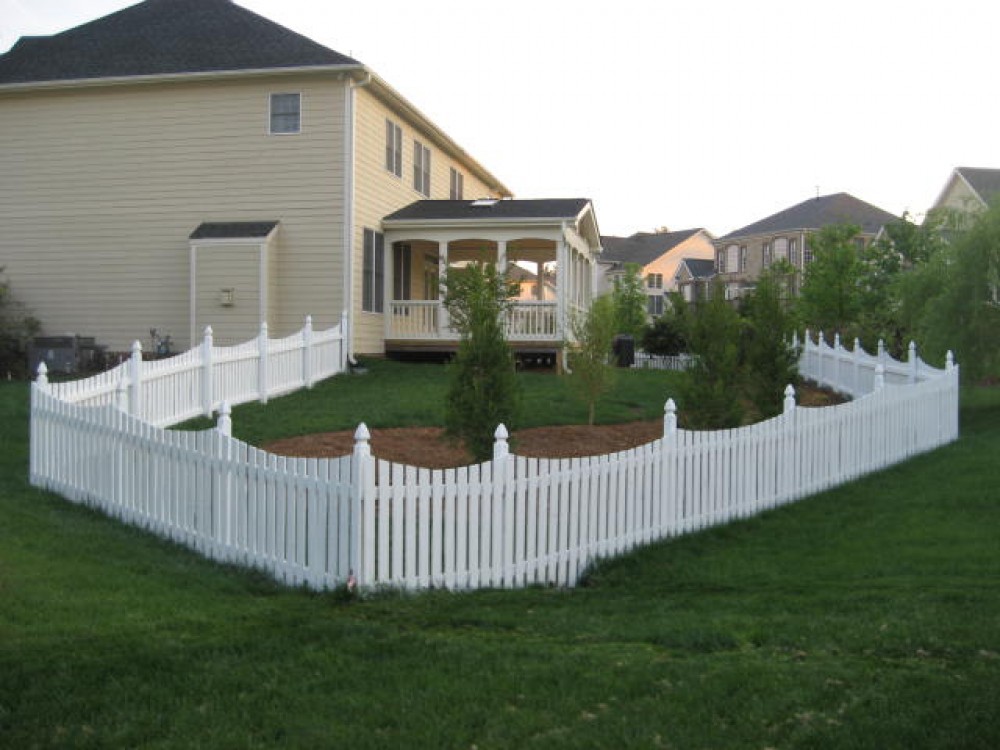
pixel 431 448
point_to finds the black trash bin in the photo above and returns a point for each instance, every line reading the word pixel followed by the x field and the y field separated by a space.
pixel 623 347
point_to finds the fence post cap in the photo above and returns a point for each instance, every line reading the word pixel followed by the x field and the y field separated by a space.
pixel 670 407
pixel 208 331
pixel 836 340
pixel 501 432
pixel 263 326
pixel 500 448
pixel 789 404
pixel 362 435
pixel 43 369
pixel 949 360
pixel 309 321
pixel 225 423
pixel 857 344
pixel 136 346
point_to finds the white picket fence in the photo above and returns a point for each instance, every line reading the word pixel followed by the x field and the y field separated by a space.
pixel 646 361
pixel 511 521
pixel 167 391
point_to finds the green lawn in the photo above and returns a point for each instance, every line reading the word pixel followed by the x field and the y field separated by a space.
pixel 866 617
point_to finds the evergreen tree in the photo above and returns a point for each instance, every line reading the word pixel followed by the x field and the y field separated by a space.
pixel 484 390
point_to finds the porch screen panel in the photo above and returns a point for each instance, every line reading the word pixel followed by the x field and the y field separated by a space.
pixel 401 271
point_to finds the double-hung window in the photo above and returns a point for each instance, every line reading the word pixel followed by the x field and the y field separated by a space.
pixel 654 305
pixel 456 188
pixel 286 114
pixel 393 148
pixel 421 168
pixel 654 280
pixel 373 272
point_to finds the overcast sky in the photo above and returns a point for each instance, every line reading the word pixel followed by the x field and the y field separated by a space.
pixel 701 113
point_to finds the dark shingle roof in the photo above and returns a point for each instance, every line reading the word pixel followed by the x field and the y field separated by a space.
pixel 642 247
pixel 219 230
pixel 554 208
pixel 160 37
pixel 700 268
pixel 839 208
pixel 986 182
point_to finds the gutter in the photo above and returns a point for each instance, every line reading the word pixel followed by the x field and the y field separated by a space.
pixel 348 295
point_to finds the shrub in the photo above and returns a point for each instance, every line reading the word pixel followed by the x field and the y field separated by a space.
pixel 17 327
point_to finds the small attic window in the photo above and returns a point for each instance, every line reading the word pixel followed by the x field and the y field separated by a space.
pixel 484 202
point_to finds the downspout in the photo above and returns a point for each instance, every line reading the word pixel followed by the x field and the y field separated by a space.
pixel 349 211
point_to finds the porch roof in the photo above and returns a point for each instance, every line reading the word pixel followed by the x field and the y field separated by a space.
pixel 489 211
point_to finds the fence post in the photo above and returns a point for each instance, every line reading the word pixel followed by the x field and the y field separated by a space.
pixel 363 481
pixel 669 419
pixel 879 377
pixel 135 377
pixel 206 373
pixel 912 362
pixel 856 356
pixel 949 361
pixel 225 421
pixel 307 342
pixel 500 447
pixel 262 357
pixel 789 404
pixel 42 381
pixel 881 353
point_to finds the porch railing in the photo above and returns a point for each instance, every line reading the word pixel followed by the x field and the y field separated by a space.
pixel 423 319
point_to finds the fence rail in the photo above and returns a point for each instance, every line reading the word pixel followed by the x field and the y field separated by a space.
pixel 511 521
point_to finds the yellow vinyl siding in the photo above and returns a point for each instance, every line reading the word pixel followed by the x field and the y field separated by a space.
pixel 235 267
pixel 102 186
pixel 379 192
pixel 696 246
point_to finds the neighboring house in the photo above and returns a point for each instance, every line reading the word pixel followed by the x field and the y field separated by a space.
pixel 742 255
pixel 693 278
pixel 657 254
pixel 184 163
pixel 968 190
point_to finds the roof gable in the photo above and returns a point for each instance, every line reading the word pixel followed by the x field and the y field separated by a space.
pixel 163 37
pixel 986 182
pixel 839 208
pixel 643 248
pixel 698 268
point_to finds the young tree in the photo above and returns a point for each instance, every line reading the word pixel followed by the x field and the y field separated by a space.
pixel 484 390
pixel 830 299
pixel 710 390
pixel 770 361
pixel 630 302
pixel 965 314
pixel 667 335
pixel 593 371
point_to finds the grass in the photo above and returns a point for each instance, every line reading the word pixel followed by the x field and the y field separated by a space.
pixel 865 617
pixel 395 394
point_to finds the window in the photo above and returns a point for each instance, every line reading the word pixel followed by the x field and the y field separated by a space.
pixel 732 258
pixel 654 304
pixel 654 281
pixel 720 261
pixel 421 168
pixel 780 249
pixel 793 252
pixel 807 253
pixel 743 258
pixel 286 113
pixel 457 187
pixel 373 272
pixel 394 148
pixel 766 253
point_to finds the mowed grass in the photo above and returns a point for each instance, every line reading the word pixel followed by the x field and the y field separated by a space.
pixel 865 617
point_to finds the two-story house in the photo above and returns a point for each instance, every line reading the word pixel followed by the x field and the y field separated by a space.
pixel 658 255
pixel 184 163
pixel 968 190
pixel 742 255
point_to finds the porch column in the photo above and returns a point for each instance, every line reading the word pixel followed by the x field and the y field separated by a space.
pixel 502 256
pixel 562 263
pixel 443 322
